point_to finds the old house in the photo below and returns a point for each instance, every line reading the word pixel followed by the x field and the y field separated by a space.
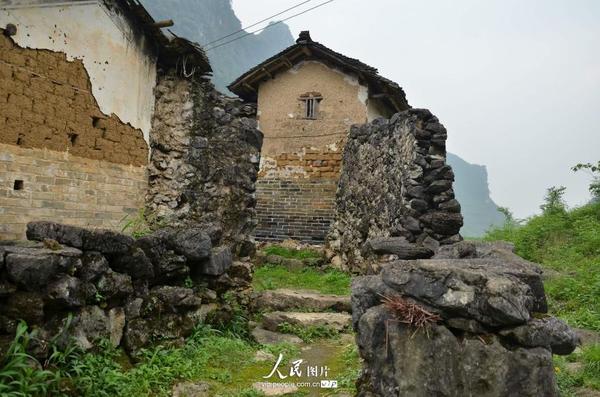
pixel 77 83
pixel 308 96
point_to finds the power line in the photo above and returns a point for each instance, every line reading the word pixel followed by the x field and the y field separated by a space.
pixel 257 23
pixel 269 26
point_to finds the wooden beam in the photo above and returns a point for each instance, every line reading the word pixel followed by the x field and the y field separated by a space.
pixel 163 24
pixel 287 62
pixel 267 73
pixel 307 51
pixel 249 87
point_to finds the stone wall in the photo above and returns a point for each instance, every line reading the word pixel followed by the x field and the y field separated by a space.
pixel 488 333
pixel 48 185
pixel 395 183
pixel 300 209
pixel 131 292
pixel 205 157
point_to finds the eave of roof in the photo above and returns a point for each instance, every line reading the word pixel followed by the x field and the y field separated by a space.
pixel 246 86
pixel 171 49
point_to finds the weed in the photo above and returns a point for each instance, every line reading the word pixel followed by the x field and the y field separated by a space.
pixel 310 333
pixel 330 281
pixel 291 253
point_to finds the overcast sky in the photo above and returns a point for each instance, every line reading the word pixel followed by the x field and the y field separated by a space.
pixel 515 82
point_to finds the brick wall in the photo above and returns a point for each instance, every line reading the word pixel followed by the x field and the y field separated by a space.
pixel 61 187
pixel 46 102
pixel 299 209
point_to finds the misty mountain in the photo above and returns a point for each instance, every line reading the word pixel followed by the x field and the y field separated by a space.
pixel 472 191
pixel 204 21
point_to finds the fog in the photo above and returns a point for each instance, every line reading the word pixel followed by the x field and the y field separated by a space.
pixel 516 83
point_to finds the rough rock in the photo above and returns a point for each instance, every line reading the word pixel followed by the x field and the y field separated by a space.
pixel 134 263
pixel 191 389
pixel 67 291
pixel 266 337
pixel 547 332
pixel 94 264
pixel 337 321
pixel 402 362
pixel 220 260
pixel 397 246
pixel 394 183
pixel 490 337
pixel 288 300
pixel 34 268
pixel 93 324
pixel 114 285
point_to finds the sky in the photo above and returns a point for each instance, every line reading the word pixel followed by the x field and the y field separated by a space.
pixel 515 82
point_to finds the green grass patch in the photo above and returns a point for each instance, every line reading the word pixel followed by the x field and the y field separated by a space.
pixel 588 376
pixel 568 244
pixel 304 253
pixel 308 334
pixel 329 281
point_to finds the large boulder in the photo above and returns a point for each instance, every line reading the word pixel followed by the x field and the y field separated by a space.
pixel 486 334
pixel 398 246
pixel 402 361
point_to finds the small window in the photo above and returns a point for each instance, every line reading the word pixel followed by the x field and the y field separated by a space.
pixel 311 105
pixel 18 185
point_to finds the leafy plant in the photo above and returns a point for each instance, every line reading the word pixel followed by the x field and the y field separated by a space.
pixel 554 201
pixel 594 171
pixel 141 224
pixel 22 375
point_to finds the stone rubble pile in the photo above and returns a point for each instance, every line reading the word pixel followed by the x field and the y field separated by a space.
pixel 69 281
pixel 394 183
pixel 494 337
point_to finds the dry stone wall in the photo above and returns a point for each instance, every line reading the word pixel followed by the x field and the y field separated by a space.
pixel 394 183
pixel 490 336
pixel 92 284
pixel 205 158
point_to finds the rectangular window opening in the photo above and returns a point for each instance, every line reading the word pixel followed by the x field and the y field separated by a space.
pixel 311 108
pixel 19 184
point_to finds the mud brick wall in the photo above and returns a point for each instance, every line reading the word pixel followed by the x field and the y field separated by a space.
pixel 299 209
pixel 46 103
pixel 60 156
pixel 37 184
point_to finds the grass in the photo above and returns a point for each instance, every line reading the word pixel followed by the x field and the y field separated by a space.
pixel 310 333
pixel 291 253
pixel 568 244
pixel 588 376
pixel 329 281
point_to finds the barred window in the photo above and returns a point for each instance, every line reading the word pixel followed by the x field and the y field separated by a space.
pixel 311 105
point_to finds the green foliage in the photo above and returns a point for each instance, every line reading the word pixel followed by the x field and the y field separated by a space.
pixel 291 253
pixel 310 333
pixel 594 171
pixel 588 376
pixel 141 224
pixel 330 281
pixel 554 201
pixel 352 369
pixel 567 243
pixel 21 375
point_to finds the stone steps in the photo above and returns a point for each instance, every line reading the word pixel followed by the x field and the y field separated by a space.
pixel 300 300
pixel 338 321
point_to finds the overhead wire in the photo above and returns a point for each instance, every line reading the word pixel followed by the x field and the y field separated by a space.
pixel 257 23
pixel 269 26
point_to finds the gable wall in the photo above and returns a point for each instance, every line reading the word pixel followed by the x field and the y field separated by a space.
pixel 301 159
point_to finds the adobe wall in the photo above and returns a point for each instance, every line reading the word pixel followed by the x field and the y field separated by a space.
pixel 120 62
pixel 59 152
pixel 301 158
